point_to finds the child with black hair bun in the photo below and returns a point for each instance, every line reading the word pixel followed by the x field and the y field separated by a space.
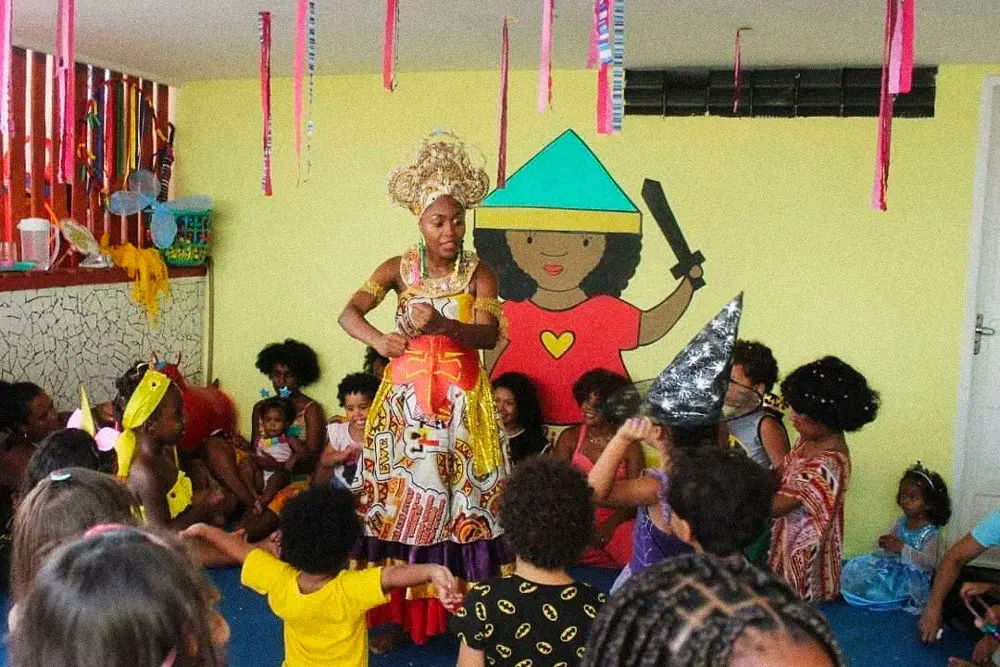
pixel 321 602
pixel 540 614
pixel 827 398
pixel 269 469
pixel 120 597
pixel 699 610
pixel 345 439
pixel 899 573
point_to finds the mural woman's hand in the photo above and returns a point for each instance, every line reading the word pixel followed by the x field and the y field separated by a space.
pixel 391 345
pixel 426 319
pixel 696 272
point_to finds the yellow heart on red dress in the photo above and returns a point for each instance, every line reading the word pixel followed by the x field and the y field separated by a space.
pixel 559 345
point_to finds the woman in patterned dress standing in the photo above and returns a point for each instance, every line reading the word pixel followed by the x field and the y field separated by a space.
pixel 434 462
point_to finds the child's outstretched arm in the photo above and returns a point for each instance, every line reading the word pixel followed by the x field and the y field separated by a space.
pixel 643 491
pixel 233 545
pixel 404 576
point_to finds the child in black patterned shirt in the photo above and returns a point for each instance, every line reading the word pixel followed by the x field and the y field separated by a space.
pixel 540 614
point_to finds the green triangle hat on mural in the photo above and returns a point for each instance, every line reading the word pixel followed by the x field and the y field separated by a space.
pixel 563 188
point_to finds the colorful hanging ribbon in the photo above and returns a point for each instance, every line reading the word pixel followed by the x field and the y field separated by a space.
pixel 618 67
pixel 298 74
pixel 502 121
pixel 311 78
pixel 65 69
pixel 389 43
pixel 737 74
pixel 897 77
pixel 605 58
pixel 265 97
pixel 545 63
pixel 6 52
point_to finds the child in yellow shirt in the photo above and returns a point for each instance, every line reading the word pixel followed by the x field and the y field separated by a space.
pixel 321 602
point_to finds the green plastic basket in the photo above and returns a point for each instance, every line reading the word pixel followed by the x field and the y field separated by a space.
pixel 193 244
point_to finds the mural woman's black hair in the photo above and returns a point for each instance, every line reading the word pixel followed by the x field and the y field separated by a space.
pixel 609 278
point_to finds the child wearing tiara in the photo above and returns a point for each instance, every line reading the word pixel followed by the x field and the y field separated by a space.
pixel 275 453
pixel 827 398
pixel 899 573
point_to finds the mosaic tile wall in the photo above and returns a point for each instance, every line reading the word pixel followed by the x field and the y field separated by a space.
pixel 64 337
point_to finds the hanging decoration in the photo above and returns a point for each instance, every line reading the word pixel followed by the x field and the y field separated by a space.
pixel 164 164
pixel 618 67
pixel 897 78
pixel 605 58
pixel 65 73
pixel 265 98
pixel 298 76
pixel 737 73
pixel 6 52
pixel 311 78
pixel 502 121
pixel 545 63
pixel 593 56
pixel 390 39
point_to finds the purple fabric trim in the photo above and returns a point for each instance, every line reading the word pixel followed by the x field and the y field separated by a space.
pixel 476 561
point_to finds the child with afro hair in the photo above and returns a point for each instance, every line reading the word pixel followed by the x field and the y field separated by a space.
pixel 540 613
pixel 827 398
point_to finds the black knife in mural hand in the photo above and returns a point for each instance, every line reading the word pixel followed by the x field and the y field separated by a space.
pixel 656 200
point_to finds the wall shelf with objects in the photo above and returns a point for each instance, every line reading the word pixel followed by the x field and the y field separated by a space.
pixel 12 281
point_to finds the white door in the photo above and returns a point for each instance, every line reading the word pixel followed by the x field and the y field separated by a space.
pixel 977 447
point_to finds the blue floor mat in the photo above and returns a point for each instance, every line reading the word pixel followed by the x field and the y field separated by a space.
pixel 869 639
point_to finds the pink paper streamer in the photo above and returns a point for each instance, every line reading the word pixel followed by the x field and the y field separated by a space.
pixel 886 101
pixel 6 53
pixel 389 45
pixel 603 101
pixel 65 87
pixel 901 54
pixel 737 74
pixel 265 97
pixel 502 121
pixel 592 53
pixel 545 63
pixel 298 75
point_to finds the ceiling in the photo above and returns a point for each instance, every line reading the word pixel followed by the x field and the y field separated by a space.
pixel 175 41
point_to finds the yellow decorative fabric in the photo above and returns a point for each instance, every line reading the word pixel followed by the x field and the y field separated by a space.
pixel 146 397
pixel 373 288
pixel 487 452
pixel 146 269
pixel 180 496
pixel 492 306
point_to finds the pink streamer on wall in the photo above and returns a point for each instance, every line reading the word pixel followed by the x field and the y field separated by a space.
pixel 502 121
pixel 593 54
pixel 737 74
pixel 545 63
pixel 265 97
pixel 886 101
pixel 389 38
pixel 6 54
pixel 901 53
pixel 65 71
pixel 603 101
pixel 298 75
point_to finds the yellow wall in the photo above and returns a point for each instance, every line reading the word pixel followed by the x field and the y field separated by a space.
pixel 779 207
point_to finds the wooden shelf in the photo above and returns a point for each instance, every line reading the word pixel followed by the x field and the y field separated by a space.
pixel 13 281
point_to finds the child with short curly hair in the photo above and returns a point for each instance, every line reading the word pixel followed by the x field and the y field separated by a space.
pixel 540 612
pixel 346 438
pixel 827 398
pixel 321 602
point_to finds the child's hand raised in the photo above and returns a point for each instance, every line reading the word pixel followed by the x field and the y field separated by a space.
pixel 638 429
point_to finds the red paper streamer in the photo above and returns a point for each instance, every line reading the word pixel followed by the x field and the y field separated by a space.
pixel 502 121
pixel 886 101
pixel 737 74
pixel 298 75
pixel 265 97
pixel 545 62
pixel 6 54
pixel 389 38
pixel 603 101
pixel 901 50
pixel 66 87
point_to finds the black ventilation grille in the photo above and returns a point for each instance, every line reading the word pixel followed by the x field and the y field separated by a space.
pixel 781 93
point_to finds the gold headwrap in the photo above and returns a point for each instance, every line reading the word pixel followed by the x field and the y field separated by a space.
pixel 442 167
pixel 146 397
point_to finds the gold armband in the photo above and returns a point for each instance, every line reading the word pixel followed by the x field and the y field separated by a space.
pixel 373 288
pixel 492 306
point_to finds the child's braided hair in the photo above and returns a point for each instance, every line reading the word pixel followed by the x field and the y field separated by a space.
pixel 691 610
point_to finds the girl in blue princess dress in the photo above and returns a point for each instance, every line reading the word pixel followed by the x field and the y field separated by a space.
pixel 898 574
